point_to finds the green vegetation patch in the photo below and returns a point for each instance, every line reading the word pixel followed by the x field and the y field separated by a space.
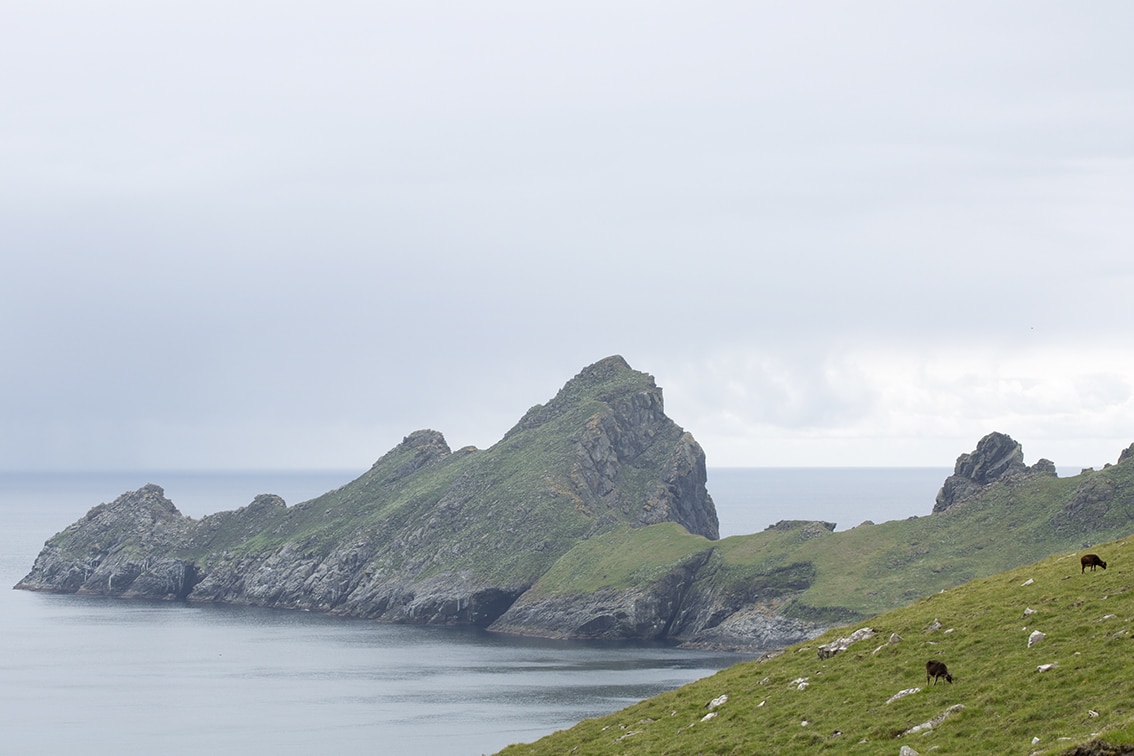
pixel 1000 701
pixel 622 558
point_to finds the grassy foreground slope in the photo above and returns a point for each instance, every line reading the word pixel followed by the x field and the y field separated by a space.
pixel 999 702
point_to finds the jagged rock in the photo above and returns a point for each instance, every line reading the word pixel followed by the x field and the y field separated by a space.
pixel 996 456
pixel 1035 638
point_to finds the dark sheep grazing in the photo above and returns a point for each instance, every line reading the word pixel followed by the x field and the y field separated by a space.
pixel 936 669
pixel 1092 561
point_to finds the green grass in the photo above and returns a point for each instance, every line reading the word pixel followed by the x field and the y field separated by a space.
pixel 622 558
pixel 983 638
pixel 871 568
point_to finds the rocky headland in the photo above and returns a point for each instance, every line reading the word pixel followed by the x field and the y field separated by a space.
pixel 590 518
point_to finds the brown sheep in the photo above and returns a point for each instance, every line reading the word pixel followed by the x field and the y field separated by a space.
pixel 936 669
pixel 1092 561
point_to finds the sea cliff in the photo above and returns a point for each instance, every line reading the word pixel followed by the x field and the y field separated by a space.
pixel 590 518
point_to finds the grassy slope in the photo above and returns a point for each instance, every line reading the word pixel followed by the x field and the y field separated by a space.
pixel 1006 701
pixel 871 568
pixel 505 513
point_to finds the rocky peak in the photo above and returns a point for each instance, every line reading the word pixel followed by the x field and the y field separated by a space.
pixel 994 455
pixel 148 503
pixel 610 380
pixel 997 457
pixel 264 503
pixel 414 452
pixel 601 371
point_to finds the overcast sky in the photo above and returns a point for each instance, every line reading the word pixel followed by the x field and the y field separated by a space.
pixel 273 234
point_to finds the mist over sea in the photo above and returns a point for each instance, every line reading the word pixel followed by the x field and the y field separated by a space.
pixel 99 676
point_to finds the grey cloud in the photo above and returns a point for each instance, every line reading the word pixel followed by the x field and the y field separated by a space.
pixel 353 221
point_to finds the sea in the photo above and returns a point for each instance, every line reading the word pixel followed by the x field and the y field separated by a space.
pixel 103 676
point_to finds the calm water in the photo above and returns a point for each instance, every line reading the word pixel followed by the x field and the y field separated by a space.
pixel 99 676
pixel 750 499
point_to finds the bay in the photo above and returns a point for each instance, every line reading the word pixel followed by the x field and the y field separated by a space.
pixel 97 676
pixel 103 676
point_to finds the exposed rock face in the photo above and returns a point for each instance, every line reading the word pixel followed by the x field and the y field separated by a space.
pixel 425 535
pixel 118 549
pixel 615 445
pixel 696 602
pixel 517 537
pixel 651 612
pixel 996 458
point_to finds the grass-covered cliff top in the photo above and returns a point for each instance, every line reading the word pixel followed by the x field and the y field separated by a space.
pixel 873 568
pixel 1000 702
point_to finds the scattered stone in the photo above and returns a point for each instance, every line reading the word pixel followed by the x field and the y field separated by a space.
pixel 1046 667
pixel 930 724
pixel 1110 616
pixel 1035 638
pixel 932 626
pixel 894 639
pixel 1029 581
pixel 763 682
pixel 1029 611
pixel 1035 741
pixel 630 734
pixel 710 715
pixel 799 683
pixel 804 723
pixel 902 694
pixel 1092 713
pixel 761 703
pixel 906 751
pixel 827 650
pixel 718 701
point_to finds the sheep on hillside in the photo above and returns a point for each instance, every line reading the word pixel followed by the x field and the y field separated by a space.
pixel 935 669
pixel 1092 561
